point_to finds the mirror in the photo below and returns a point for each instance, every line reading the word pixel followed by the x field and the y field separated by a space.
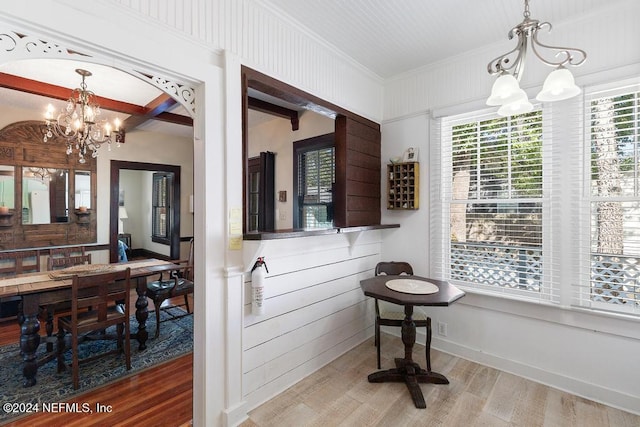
pixel 82 190
pixel 45 195
pixel 7 188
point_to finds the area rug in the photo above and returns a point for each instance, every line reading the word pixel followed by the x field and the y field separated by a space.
pixel 176 339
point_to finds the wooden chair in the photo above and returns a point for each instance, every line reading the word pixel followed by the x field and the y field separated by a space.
pixel 100 292
pixel 390 317
pixel 12 263
pixel 60 260
pixel 179 284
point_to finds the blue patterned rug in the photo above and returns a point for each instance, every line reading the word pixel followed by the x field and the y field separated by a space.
pixel 176 339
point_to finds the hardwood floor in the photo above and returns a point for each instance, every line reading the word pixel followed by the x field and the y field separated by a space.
pixel 160 396
pixel 340 395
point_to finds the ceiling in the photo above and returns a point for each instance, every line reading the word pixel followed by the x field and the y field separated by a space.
pixel 386 37
pixel 393 37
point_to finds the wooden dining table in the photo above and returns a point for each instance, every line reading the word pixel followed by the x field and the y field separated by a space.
pixel 411 291
pixel 45 288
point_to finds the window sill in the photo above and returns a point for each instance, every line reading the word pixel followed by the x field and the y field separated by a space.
pixel 600 321
pixel 293 233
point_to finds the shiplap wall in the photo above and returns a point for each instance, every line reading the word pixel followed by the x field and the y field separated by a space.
pixel 314 309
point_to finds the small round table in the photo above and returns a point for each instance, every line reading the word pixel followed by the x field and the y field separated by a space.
pixel 406 370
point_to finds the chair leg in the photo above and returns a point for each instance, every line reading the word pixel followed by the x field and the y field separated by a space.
pixel 186 302
pixel 75 364
pixel 157 304
pixel 428 344
pixel 378 343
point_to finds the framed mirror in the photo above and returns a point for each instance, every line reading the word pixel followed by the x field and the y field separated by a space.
pixel 45 195
pixel 82 190
pixel 7 188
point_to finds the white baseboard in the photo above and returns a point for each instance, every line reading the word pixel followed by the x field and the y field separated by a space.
pixel 235 415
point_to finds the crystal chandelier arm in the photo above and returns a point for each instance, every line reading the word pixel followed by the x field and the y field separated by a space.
pixel 566 53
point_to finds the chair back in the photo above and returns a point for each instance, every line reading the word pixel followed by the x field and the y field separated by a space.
pixel 70 261
pixel 393 268
pixel 17 262
pixel 99 291
pixel 66 251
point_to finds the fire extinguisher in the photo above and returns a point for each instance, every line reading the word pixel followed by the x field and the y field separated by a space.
pixel 258 273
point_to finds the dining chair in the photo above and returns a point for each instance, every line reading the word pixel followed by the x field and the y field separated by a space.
pixel 387 316
pixel 99 292
pixel 12 263
pixel 58 261
pixel 180 283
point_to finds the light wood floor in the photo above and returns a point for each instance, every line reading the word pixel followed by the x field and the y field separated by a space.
pixel 340 395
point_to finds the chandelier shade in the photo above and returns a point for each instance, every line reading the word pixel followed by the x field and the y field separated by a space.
pixel 80 125
pixel 509 67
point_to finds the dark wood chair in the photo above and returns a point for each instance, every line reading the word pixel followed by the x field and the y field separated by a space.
pixel 389 317
pixel 59 261
pixel 12 263
pixel 99 292
pixel 180 283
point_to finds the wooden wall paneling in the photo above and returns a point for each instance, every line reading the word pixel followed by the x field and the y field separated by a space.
pixel 358 166
pixel 22 146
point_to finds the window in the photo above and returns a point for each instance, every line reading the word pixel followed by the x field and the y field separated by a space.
pixel 613 126
pixel 314 182
pixel 161 207
pixel 494 198
pixel 545 205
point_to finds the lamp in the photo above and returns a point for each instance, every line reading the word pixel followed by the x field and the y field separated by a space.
pixel 558 85
pixel 122 214
pixel 78 123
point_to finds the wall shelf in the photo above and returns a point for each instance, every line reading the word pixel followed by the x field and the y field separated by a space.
pixel 403 181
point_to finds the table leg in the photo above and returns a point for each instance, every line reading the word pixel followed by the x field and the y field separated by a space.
pixel 406 370
pixel 142 313
pixel 29 338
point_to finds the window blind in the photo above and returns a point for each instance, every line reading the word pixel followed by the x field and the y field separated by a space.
pixel 491 203
pixel 612 180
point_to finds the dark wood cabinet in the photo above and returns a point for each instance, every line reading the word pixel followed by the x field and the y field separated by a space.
pixel 403 185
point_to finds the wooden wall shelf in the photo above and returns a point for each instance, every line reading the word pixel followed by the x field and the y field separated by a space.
pixel 403 185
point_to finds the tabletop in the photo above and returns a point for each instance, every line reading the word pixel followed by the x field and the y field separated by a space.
pixel 376 287
pixel 42 281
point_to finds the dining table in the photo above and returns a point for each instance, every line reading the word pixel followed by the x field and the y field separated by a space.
pixel 411 291
pixel 54 287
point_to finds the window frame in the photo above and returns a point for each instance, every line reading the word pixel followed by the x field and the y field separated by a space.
pixel 302 147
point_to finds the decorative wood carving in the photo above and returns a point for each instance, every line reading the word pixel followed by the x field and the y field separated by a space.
pixel 22 145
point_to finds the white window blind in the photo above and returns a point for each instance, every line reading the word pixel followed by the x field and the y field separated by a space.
pixel 491 200
pixel 612 130
pixel 316 177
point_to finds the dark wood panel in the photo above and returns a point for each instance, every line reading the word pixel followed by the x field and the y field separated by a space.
pixel 362 203
pixel 358 174
pixel 364 189
pixel 358 218
pixel 363 160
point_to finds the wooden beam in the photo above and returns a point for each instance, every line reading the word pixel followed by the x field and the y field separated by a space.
pixel 151 111
pixel 275 110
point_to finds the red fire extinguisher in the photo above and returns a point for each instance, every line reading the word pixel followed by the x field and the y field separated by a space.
pixel 258 273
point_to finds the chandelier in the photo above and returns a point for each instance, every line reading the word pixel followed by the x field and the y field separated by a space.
pixel 44 173
pixel 558 85
pixel 79 124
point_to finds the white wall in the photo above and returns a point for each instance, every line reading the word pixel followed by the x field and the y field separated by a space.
pixel 314 309
pixel 586 354
pixel 276 136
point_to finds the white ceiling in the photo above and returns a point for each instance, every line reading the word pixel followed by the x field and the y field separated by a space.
pixel 386 37
pixel 392 37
